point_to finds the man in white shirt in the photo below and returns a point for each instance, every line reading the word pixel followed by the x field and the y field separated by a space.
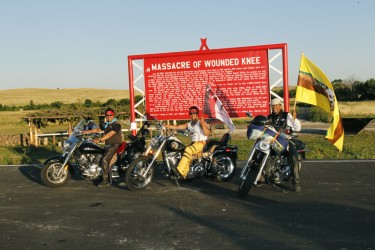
pixel 199 131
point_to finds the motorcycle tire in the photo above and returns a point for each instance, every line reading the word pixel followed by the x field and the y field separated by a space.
pixel 248 182
pixel 50 177
pixel 133 178
pixel 226 165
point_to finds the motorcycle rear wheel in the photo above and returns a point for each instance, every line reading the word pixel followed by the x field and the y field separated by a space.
pixel 227 167
pixel 248 182
pixel 133 177
pixel 51 178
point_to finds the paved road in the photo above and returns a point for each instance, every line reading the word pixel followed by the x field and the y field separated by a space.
pixel 335 210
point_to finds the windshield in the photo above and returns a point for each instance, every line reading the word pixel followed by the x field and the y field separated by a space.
pixel 73 136
pixel 77 130
pixel 79 127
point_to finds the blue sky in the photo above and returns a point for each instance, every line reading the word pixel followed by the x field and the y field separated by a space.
pixel 85 43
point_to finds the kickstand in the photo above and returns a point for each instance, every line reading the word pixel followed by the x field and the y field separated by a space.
pixel 175 176
pixel 176 180
pixel 279 188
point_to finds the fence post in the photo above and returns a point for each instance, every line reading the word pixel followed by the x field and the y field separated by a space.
pixel 31 127
pixel 36 143
pixel 21 139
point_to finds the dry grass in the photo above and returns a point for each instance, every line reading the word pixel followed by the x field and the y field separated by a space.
pixel 357 109
pixel 21 97
pixel 351 109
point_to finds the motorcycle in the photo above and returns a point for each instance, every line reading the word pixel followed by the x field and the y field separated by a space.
pixel 268 161
pixel 83 155
pixel 128 151
pixel 218 159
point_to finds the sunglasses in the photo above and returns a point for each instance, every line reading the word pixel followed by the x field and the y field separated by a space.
pixel 193 113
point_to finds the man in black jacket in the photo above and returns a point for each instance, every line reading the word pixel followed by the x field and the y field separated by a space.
pixel 112 138
pixel 287 123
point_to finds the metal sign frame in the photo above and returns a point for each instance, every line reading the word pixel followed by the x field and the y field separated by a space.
pixel 278 67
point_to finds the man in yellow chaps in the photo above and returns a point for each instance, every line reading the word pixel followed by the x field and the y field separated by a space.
pixel 198 131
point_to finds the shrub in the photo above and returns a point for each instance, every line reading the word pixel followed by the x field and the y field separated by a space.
pixel 318 115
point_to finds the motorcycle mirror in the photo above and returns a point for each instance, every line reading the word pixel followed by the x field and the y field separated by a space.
pixel 185 132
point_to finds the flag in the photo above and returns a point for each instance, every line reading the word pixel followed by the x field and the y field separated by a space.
pixel 215 109
pixel 313 87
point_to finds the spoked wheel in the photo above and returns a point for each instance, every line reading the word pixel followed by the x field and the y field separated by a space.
pixel 136 176
pixel 53 175
pixel 248 182
pixel 226 167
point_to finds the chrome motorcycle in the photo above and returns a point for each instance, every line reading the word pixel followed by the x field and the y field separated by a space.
pixel 82 155
pixel 217 160
pixel 268 159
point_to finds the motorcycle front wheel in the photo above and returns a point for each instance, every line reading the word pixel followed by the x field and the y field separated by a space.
pixel 226 167
pixel 51 175
pixel 135 176
pixel 248 182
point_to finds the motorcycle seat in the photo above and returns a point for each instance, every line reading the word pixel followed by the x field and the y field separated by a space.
pixel 210 146
pixel 132 137
pixel 121 148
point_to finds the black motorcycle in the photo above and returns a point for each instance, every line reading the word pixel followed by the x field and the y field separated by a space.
pixel 267 162
pixel 129 150
pixel 217 160
pixel 81 154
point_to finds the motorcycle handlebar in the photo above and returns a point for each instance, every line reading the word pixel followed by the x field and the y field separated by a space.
pixel 159 126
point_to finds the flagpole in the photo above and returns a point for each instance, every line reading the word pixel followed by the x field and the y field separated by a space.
pixel 295 99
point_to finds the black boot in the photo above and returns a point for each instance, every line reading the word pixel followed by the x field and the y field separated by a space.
pixel 103 183
pixel 297 187
pixel 293 161
pixel 177 173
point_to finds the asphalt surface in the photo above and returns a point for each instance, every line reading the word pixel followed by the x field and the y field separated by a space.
pixel 335 210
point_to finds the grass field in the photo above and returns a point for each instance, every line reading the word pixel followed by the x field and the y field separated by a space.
pixel 360 146
pixel 21 97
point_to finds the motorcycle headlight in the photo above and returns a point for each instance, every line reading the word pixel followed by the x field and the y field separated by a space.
pixel 154 142
pixel 264 145
pixel 66 145
pixel 174 145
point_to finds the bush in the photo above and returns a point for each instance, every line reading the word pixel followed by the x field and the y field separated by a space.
pixel 318 115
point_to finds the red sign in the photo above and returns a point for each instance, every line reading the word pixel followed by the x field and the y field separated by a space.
pixel 239 79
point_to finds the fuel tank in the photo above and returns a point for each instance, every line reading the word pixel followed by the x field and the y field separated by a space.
pixel 90 148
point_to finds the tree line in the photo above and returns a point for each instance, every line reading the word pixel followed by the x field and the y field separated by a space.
pixel 87 104
pixel 345 90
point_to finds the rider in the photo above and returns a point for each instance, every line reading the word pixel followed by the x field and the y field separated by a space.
pixel 112 138
pixel 199 131
pixel 288 123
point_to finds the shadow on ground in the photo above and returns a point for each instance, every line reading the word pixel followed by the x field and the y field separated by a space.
pixel 35 155
pixel 31 172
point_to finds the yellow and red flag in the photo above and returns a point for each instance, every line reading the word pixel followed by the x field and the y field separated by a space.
pixel 314 88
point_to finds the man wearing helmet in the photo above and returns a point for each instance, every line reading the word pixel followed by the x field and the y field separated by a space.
pixel 287 123
pixel 198 130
